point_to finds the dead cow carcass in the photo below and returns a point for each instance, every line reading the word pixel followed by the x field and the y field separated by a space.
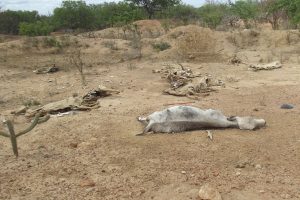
pixel 186 118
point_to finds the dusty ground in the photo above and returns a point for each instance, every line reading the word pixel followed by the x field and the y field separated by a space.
pixel 100 146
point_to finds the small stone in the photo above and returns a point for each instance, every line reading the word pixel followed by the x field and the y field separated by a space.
pixel 90 189
pixel 87 183
pixel 262 191
pixel 285 196
pixel 62 180
pixel 183 172
pixel 74 145
pixel 242 163
pixel 258 166
pixel 287 106
pixel 155 71
pixel 238 173
pixel 206 192
pixel 255 109
pixel 142 191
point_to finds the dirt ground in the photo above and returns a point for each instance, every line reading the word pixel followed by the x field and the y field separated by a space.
pixel 96 155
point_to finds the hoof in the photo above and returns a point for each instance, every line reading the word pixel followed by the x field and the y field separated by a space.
pixel 141 118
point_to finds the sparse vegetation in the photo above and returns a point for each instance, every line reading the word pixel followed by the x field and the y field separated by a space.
pixel 65 41
pixel 30 42
pixel 111 44
pixel 75 59
pixel 3 54
pixel 51 42
pixel 161 46
pixel 131 66
pixel 31 102
pixel 136 40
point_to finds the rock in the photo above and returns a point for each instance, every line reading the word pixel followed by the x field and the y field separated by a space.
pixel 90 189
pixel 156 71
pixel 287 106
pixel 238 173
pixel 183 172
pixel 285 196
pixel 242 163
pixel 74 145
pixel 258 166
pixel 87 183
pixel 206 192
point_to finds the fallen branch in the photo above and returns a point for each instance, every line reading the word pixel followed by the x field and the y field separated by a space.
pixel 179 103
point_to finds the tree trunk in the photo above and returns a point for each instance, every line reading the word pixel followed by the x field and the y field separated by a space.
pixel 83 81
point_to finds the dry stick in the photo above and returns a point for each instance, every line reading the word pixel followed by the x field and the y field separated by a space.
pixel 180 103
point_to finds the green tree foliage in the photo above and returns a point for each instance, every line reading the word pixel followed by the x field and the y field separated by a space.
pixel 112 14
pixel 291 7
pixel 152 6
pixel 74 15
pixel 35 28
pixel 181 12
pixel 10 20
pixel 246 9
pixel 212 14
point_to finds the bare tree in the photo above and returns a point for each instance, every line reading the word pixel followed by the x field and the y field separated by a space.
pixel 75 59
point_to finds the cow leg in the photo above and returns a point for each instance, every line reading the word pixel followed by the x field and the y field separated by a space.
pixel 143 120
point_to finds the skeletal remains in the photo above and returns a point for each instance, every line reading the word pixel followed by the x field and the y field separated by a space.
pixel 186 118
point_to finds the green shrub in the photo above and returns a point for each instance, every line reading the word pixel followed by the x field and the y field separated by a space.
pixel 212 14
pixel 161 46
pixel 51 42
pixel 35 29
pixel 10 20
pixel 30 42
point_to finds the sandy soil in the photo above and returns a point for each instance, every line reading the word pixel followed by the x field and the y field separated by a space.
pixel 96 155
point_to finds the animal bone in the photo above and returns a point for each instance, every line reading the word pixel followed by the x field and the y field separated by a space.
pixel 269 66
pixel 186 118
pixel 209 134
